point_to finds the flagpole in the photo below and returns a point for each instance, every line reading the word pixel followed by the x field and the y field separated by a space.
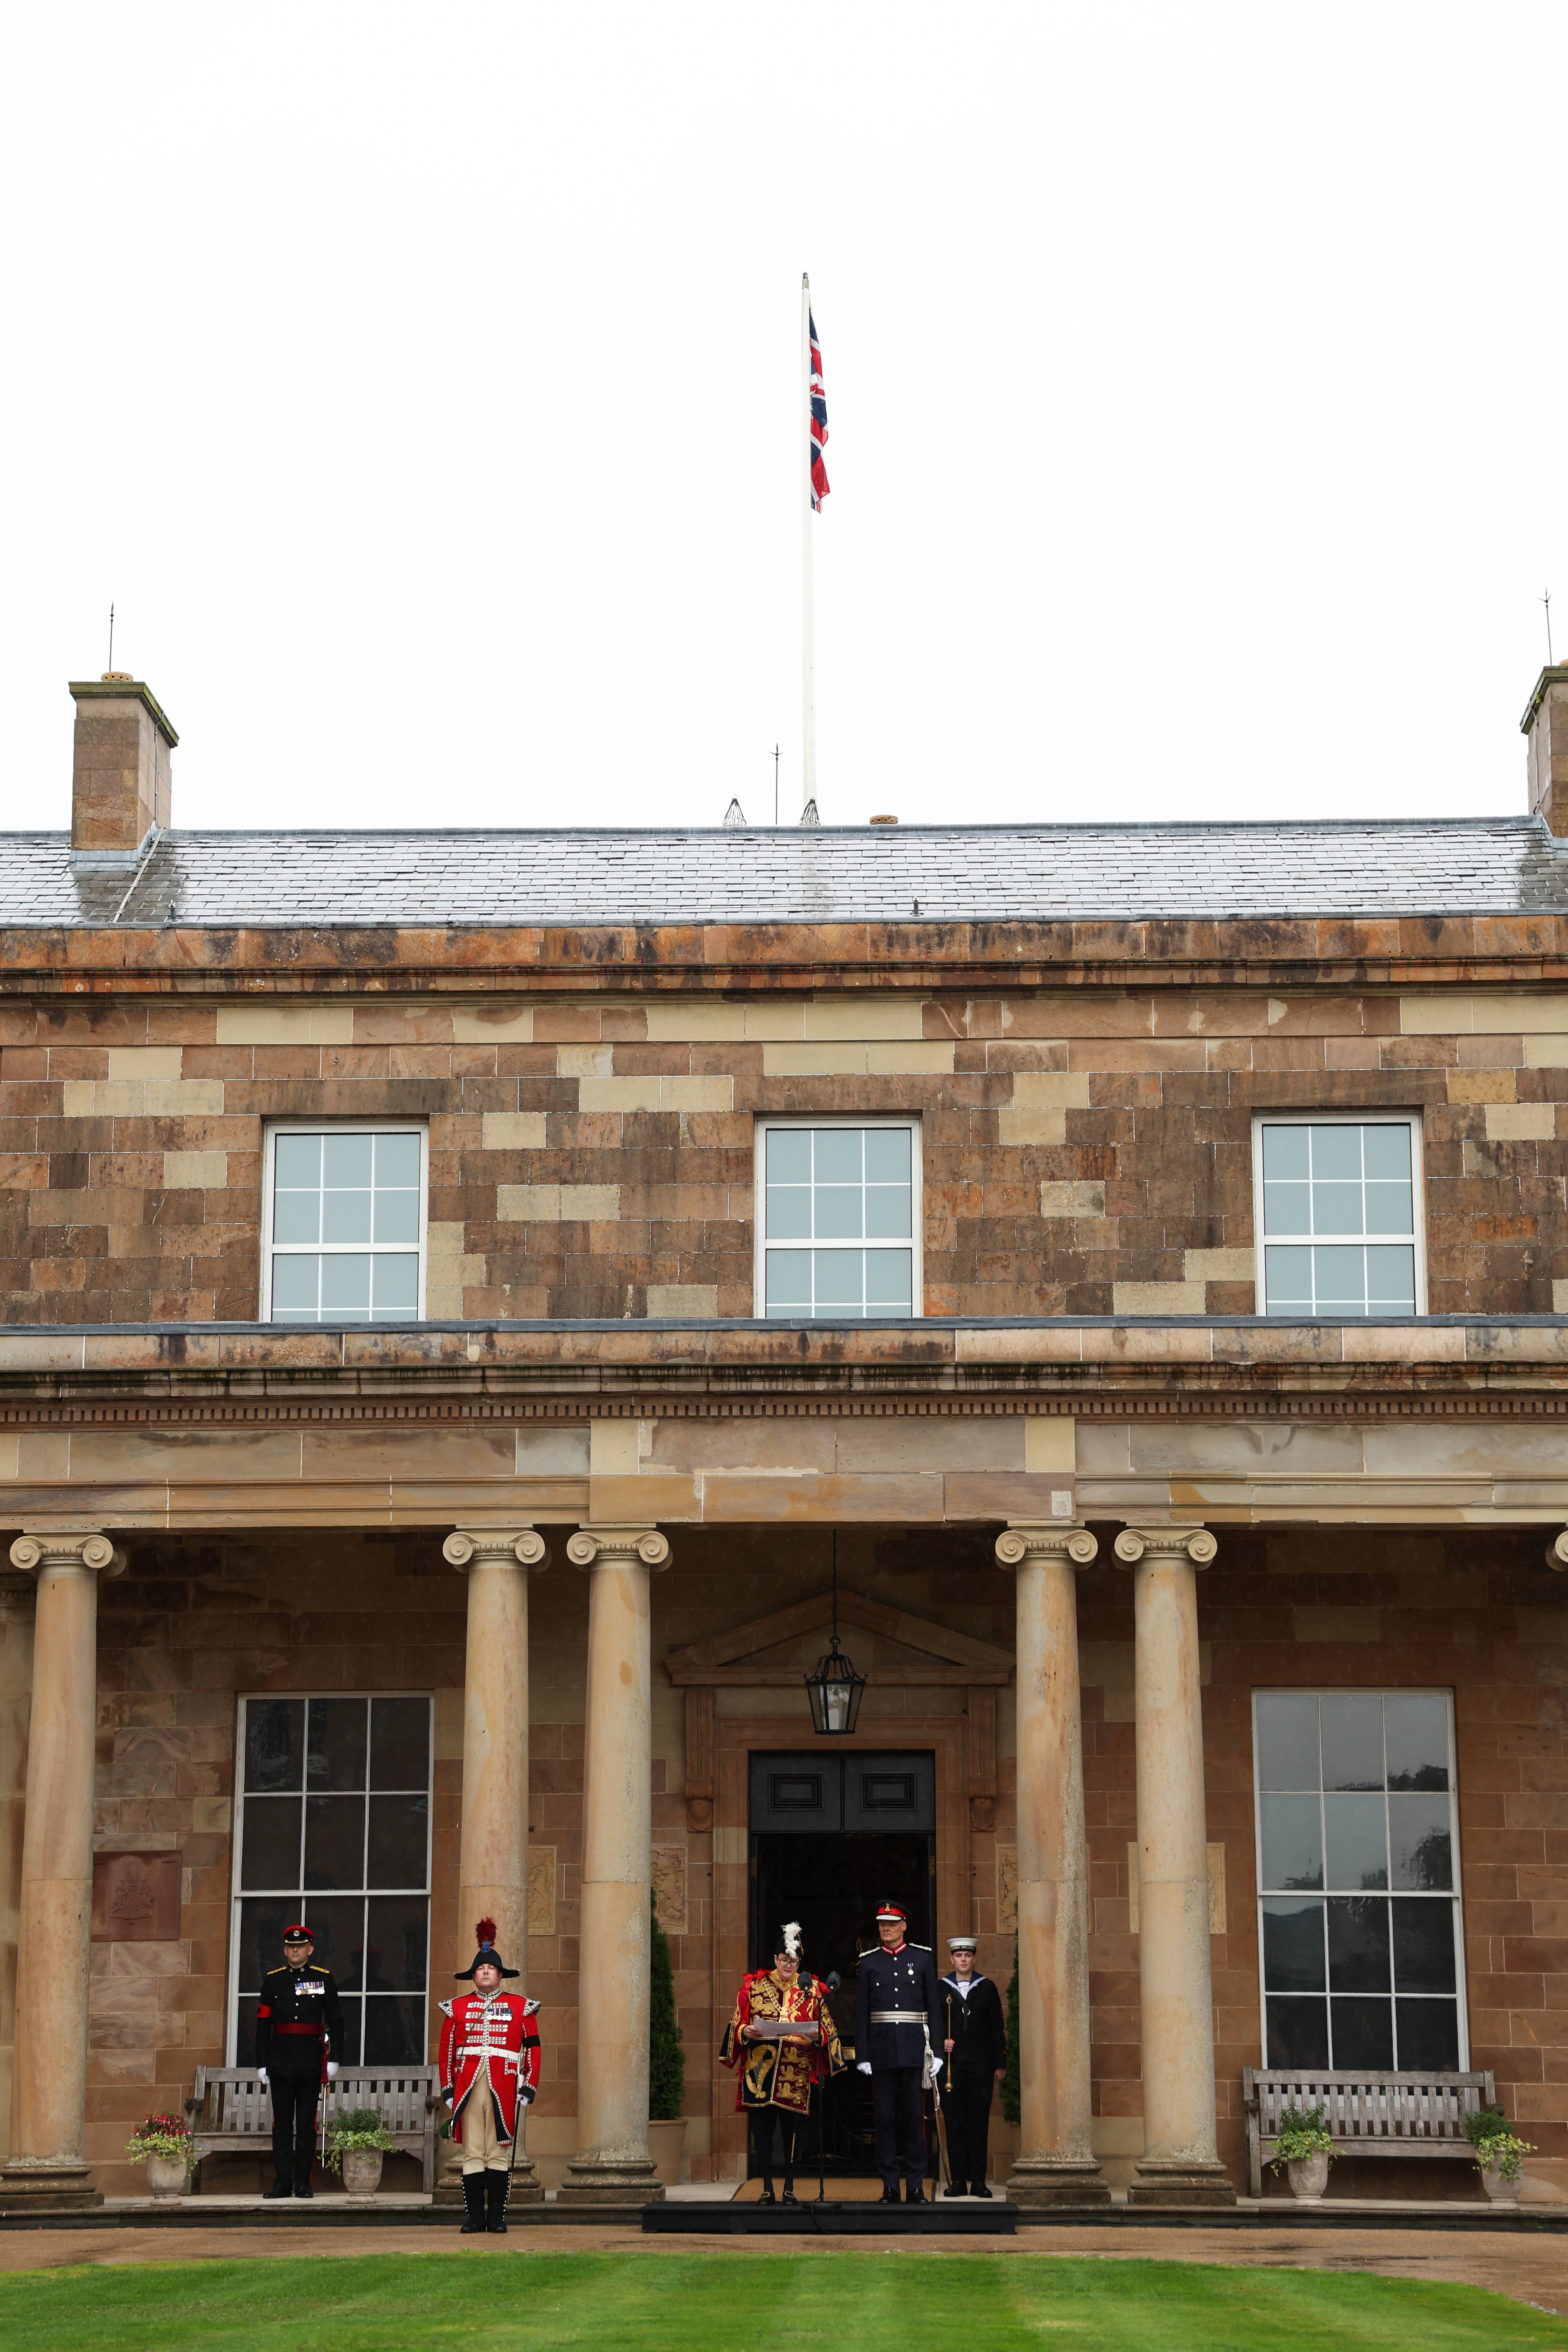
pixel 808 641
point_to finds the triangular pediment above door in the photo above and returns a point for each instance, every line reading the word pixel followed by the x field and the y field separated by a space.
pixel 890 1645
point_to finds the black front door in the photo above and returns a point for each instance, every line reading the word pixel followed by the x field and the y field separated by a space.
pixel 831 1836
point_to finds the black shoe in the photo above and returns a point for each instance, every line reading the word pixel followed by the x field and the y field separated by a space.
pixel 978 2189
pixel 955 2189
pixel 914 2192
pixel 496 2187
pixel 473 2205
pixel 278 2188
pixel 304 2189
pixel 789 2196
pixel 889 2196
pixel 767 2196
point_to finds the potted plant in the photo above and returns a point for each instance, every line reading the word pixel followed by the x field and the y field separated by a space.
pixel 165 2144
pixel 356 2146
pixel 1500 2154
pixel 666 2060
pixel 1305 2147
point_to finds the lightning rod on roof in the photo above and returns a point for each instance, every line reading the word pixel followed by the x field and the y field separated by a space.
pixel 1546 600
pixel 111 636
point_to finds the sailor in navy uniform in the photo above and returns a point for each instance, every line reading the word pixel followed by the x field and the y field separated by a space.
pixel 898 2042
pixel 298 2025
pixel 975 2040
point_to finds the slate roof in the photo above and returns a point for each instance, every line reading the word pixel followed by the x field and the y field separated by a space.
pixel 1437 866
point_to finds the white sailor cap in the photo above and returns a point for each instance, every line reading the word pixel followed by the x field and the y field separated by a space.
pixel 962 1943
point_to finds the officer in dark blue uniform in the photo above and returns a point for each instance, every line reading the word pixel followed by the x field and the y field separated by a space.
pixel 898 2042
pixel 298 2027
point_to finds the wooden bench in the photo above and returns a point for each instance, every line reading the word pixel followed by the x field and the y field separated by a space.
pixel 1367 2115
pixel 231 2113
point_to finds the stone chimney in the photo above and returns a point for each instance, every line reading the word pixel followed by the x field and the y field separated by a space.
pixel 119 767
pixel 1546 725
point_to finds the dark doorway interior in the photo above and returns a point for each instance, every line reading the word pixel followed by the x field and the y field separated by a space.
pixel 820 1854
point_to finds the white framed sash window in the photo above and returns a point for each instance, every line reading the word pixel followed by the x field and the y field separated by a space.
pixel 1360 1928
pixel 331 1826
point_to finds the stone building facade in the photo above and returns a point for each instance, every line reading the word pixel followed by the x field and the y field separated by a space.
pixel 1107 1496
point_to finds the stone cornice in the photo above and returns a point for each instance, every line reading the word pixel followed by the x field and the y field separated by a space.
pixel 251 1376
pixel 972 957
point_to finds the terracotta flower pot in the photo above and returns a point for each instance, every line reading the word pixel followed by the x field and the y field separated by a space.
pixel 361 2170
pixel 166 2177
pixel 1500 2191
pixel 665 2143
pixel 1309 2177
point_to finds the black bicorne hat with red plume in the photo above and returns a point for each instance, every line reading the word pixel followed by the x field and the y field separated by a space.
pixel 485 1930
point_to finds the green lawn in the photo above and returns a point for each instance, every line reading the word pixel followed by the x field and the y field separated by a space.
pixel 645 2301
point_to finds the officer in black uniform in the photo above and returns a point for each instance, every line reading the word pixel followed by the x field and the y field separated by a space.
pixel 298 2025
pixel 898 2029
pixel 975 2040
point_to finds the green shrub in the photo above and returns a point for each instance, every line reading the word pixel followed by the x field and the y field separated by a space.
pixel 1012 2107
pixel 162 2136
pixel 1497 2147
pixel 361 2127
pixel 1302 2133
pixel 665 2052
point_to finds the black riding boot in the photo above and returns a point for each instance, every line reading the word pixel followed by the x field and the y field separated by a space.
pixel 473 2205
pixel 496 2187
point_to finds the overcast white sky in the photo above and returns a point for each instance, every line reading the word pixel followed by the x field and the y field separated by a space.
pixel 422 384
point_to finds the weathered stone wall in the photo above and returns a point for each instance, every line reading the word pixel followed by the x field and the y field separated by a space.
pixel 1085 1151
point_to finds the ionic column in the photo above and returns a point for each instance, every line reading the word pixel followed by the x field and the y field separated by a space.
pixel 1180 2164
pixel 612 2166
pixel 1055 2162
pixel 48 2094
pixel 493 1866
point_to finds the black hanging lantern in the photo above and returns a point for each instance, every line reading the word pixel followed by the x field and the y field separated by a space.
pixel 836 1689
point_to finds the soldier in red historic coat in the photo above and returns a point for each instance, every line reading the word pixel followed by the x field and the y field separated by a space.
pixel 490 2059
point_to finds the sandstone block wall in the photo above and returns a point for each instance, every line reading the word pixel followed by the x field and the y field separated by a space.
pixel 1084 1153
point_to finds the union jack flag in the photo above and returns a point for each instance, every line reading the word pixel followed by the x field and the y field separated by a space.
pixel 818 421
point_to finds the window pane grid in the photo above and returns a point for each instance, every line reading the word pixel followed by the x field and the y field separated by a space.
pixel 345 1225
pixel 1337 1216
pixel 1358 1905
pixel 333 1828
pixel 836 1214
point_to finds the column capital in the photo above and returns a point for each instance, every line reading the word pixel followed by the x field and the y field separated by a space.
pixel 465 1544
pixel 48 1551
pixel 1196 1545
pixel 610 1547
pixel 1023 1542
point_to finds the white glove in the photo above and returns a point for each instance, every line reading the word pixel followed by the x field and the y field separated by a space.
pixel 936 2065
pixel 863 2066
pixel 261 2077
pixel 332 2070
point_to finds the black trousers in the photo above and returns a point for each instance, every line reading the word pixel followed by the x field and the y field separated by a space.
pixel 792 2129
pixel 900 2108
pixel 294 2098
pixel 966 2108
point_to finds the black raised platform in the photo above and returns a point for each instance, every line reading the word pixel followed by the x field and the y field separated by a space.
pixel 859 2218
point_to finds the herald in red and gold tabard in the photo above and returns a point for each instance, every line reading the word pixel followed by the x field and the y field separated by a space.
pixel 490 2040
